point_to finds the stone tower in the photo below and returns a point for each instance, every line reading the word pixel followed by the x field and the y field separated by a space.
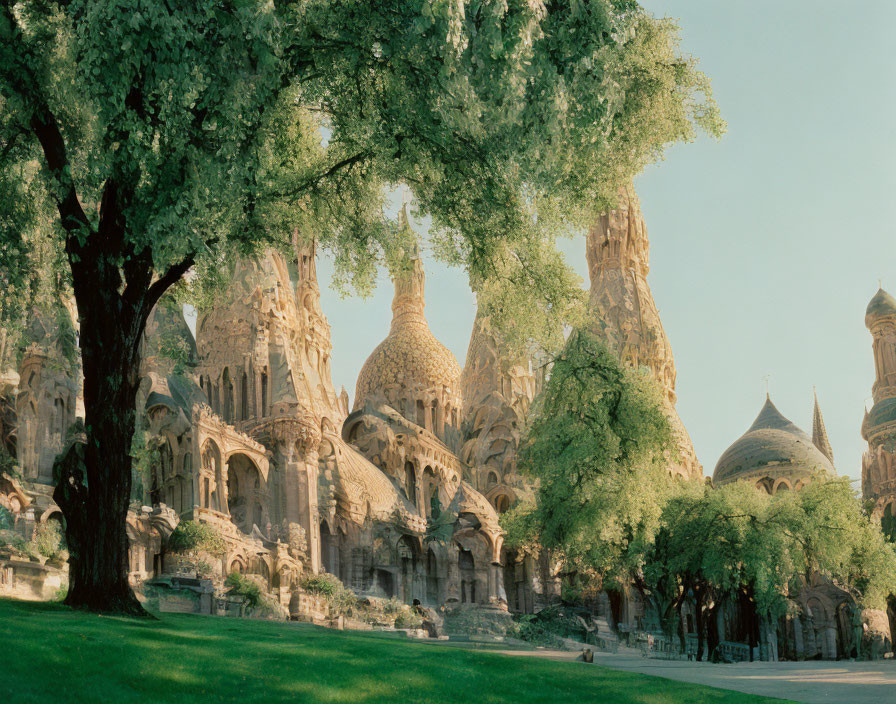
pixel 497 391
pixel 624 314
pixel 879 424
pixel 820 433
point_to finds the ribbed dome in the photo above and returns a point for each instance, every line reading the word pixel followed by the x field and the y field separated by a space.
pixel 772 442
pixel 882 413
pixel 410 357
pixel 882 305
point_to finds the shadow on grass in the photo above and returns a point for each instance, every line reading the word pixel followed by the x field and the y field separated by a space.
pixel 64 655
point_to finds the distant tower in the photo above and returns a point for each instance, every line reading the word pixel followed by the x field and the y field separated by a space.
pixel 820 433
pixel 879 424
pixel 624 314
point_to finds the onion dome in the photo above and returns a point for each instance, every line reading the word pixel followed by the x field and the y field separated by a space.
pixel 772 446
pixel 410 361
pixel 882 305
pixel 881 417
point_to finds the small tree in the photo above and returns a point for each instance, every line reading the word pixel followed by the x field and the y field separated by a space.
pixel 597 444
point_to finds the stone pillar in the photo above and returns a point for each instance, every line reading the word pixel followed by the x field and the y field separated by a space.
pixel 310 517
pixel 452 586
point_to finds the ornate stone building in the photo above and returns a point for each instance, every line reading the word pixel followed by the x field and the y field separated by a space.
pixel 407 421
pixel 625 315
pixel 775 455
pixel 879 424
pixel 497 391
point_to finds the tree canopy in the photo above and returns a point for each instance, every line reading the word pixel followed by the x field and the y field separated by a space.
pixel 212 126
pixel 140 139
pixel 597 444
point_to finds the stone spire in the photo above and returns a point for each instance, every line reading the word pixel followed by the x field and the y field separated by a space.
pixel 411 371
pixel 409 301
pixel 497 391
pixel 623 312
pixel 820 433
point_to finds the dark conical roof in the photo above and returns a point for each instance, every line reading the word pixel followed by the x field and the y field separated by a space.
pixel 772 441
pixel 882 305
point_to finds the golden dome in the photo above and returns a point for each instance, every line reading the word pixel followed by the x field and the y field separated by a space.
pixel 410 357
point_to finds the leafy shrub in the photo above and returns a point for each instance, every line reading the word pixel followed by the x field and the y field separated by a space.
pixel 239 585
pixel 342 601
pixel 48 539
pixel 193 536
pixel 408 618
pixel 7 520
pixel 324 584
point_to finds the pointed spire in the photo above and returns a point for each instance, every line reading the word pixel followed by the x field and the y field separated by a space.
pixel 410 281
pixel 820 433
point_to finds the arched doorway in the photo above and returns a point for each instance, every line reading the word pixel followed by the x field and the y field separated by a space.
pixel 329 550
pixel 407 561
pixel 244 489
pixel 467 568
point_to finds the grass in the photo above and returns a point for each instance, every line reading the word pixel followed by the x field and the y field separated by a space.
pixel 54 654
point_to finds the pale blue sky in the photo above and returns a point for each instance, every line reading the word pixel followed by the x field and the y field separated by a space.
pixel 766 246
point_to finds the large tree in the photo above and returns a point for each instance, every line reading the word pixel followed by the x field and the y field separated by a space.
pixel 168 134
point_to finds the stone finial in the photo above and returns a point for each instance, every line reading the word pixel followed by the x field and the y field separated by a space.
pixel 820 433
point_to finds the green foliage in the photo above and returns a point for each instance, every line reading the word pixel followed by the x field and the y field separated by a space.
pixel 341 600
pixel 549 625
pixel 324 584
pixel 48 539
pixel 408 618
pixel 597 443
pixel 7 520
pixel 238 585
pixel 193 536
pixel 217 129
pixel 8 464
pixel 736 539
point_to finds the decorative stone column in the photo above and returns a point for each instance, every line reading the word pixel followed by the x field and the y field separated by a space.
pixel 452 586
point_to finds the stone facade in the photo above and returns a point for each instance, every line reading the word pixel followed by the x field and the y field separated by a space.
pixel 624 314
pixel 879 424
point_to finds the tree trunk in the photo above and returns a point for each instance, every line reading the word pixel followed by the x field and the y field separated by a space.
pixel 712 631
pixel 94 486
pixel 698 622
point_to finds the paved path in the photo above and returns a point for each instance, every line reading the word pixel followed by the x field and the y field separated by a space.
pixel 817 682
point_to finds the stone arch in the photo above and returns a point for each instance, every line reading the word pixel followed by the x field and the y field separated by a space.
pixel 237 564
pixel 782 485
pixel 501 502
pixel 765 484
pixel 466 565
pixel 330 557
pixel 245 492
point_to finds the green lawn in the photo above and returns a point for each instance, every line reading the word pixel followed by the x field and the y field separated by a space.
pixel 52 654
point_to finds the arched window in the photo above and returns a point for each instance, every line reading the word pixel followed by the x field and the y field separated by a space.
pixel 421 415
pixel 244 397
pixel 264 394
pixel 410 482
pixel 227 391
